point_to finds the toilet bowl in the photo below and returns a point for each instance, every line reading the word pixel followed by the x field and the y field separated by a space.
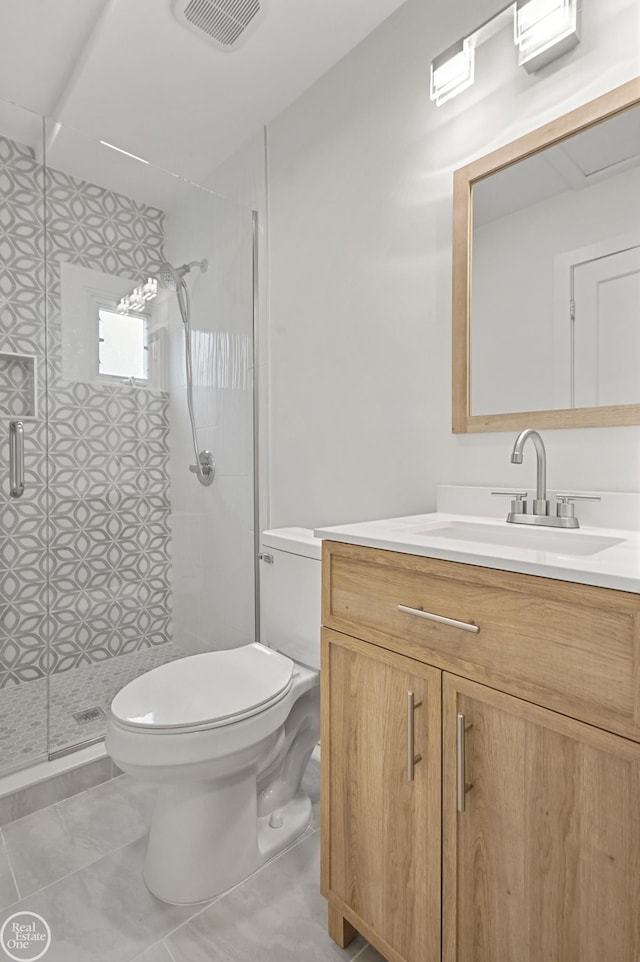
pixel 226 736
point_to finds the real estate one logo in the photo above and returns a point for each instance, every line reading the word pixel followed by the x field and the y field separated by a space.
pixel 25 936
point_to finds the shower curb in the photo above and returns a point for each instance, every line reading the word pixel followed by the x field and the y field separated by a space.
pixel 72 777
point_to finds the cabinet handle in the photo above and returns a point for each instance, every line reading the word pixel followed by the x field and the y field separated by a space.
pixel 462 786
pixel 412 759
pixel 16 459
pixel 464 625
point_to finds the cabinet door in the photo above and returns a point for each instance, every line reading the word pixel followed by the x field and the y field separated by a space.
pixel 543 864
pixel 381 830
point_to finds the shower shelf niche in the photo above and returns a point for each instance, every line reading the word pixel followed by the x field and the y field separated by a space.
pixel 18 386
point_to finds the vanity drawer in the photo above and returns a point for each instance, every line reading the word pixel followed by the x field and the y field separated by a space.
pixel 574 648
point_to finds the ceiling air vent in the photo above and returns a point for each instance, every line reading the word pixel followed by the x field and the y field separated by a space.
pixel 223 22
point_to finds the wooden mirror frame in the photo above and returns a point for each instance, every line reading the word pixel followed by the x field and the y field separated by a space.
pixel 464 422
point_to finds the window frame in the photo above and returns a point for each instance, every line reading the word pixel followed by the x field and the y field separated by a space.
pixel 102 303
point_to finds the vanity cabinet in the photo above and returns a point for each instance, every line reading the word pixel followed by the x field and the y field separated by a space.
pixel 532 854
pixel 543 863
pixel 382 717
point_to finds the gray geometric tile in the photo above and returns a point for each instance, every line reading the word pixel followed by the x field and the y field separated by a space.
pixel 107 463
pixel 16 381
pixel 26 587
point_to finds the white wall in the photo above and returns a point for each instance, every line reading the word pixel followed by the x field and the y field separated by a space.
pixel 360 178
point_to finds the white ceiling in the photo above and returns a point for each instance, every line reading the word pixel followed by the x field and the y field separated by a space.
pixel 605 150
pixel 127 72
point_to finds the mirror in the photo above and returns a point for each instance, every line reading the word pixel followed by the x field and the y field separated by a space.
pixel 546 275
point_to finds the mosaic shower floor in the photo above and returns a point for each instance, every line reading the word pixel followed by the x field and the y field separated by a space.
pixel 23 709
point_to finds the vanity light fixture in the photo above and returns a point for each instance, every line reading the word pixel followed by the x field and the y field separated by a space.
pixel 136 301
pixel 452 71
pixel 543 31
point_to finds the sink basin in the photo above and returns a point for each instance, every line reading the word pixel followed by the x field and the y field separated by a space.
pixel 572 543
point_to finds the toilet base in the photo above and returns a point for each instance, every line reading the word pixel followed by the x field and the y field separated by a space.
pixel 283 826
pixel 206 838
pixel 274 833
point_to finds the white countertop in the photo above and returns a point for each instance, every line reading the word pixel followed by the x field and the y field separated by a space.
pixel 616 566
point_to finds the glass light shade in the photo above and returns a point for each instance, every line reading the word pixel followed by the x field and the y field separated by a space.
pixel 545 30
pixel 452 71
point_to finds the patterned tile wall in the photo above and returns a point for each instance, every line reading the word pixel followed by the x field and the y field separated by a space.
pixel 101 530
pixel 17 375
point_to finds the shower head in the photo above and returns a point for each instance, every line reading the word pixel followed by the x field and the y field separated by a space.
pixel 170 276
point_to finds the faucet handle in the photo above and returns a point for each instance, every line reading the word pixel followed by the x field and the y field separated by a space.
pixel 565 509
pixel 518 500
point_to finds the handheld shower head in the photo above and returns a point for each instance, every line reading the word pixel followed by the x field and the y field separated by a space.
pixel 170 276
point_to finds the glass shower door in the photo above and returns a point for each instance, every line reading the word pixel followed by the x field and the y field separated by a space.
pixel 146 563
pixel 23 444
pixel 115 558
pixel 110 612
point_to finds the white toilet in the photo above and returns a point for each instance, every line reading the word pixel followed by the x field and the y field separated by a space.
pixel 227 735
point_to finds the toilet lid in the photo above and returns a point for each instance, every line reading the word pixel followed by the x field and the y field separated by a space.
pixel 214 688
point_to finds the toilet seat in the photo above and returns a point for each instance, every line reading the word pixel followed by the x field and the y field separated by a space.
pixel 204 691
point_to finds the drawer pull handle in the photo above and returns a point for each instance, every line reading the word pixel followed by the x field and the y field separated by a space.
pixel 462 787
pixel 412 759
pixel 464 625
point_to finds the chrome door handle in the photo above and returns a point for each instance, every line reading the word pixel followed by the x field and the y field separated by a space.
pixel 464 625
pixel 462 786
pixel 412 758
pixel 16 459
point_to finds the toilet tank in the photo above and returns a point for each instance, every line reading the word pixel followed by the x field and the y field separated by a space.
pixel 290 593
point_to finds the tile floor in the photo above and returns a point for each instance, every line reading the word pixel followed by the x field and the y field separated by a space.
pixel 79 865
pixel 23 708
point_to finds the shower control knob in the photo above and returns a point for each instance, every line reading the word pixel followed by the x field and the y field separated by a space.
pixel 206 469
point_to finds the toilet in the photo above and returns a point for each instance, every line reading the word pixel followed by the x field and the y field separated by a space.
pixel 227 735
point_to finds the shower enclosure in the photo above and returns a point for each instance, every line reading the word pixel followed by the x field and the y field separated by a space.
pixel 114 558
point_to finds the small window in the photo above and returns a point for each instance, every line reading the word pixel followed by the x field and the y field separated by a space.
pixel 122 350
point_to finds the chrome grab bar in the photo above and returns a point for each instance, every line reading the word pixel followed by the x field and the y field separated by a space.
pixel 16 459
pixel 464 625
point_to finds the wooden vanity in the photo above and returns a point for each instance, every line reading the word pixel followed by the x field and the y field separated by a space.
pixel 480 773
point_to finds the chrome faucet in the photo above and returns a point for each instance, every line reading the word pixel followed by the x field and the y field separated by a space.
pixel 541 514
pixel 540 506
